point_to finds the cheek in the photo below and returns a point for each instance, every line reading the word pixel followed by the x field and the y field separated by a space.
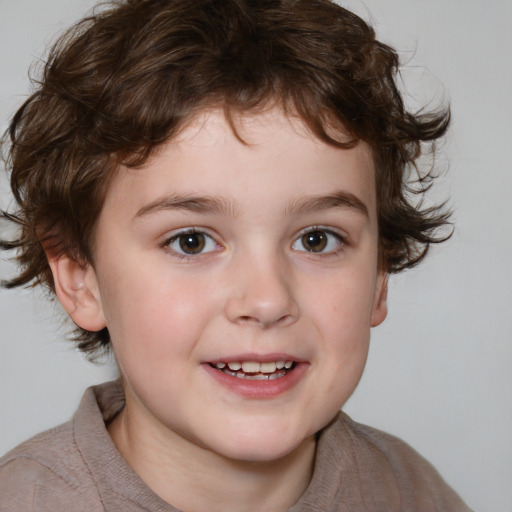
pixel 343 303
pixel 341 316
pixel 154 316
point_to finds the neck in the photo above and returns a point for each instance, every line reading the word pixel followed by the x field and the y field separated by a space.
pixel 196 479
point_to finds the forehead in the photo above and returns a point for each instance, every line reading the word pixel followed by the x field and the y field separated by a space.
pixel 264 159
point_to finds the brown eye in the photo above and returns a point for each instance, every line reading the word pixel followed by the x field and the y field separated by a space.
pixel 314 241
pixel 192 243
pixel 318 241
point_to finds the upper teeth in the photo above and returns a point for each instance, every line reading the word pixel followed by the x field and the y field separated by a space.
pixel 255 366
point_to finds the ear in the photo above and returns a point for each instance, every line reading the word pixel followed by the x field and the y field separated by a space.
pixel 380 300
pixel 77 289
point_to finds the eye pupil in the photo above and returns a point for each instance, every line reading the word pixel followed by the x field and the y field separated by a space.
pixel 314 241
pixel 192 243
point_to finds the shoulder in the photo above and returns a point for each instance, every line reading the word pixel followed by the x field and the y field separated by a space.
pixel 383 448
pixel 46 473
pixel 392 453
pixel 383 465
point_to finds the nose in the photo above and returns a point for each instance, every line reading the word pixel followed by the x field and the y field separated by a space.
pixel 262 294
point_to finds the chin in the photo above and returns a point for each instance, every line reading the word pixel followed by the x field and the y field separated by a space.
pixel 261 445
pixel 257 452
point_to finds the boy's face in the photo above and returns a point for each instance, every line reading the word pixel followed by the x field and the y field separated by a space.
pixel 220 252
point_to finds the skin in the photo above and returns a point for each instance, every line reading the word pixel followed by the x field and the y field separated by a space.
pixel 255 290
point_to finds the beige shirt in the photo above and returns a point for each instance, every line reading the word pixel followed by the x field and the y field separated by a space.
pixel 76 467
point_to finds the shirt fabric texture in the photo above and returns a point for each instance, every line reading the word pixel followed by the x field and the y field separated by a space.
pixel 76 467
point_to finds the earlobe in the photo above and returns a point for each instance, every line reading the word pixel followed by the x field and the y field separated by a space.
pixel 380 300
pixel 77 290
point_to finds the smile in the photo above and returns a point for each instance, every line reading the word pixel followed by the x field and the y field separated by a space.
pixel 254 370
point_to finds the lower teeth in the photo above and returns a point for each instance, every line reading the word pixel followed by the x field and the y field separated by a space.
pixel 260 376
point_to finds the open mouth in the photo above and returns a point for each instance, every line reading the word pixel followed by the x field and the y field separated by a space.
pixel 254 370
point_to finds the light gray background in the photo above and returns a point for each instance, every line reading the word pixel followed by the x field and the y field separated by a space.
pixel 439 373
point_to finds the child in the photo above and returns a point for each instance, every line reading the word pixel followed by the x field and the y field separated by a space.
pixel 218 190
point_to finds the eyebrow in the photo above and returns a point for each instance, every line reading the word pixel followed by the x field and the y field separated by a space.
pixel 340 199
pixel 199 204
pixel 229 207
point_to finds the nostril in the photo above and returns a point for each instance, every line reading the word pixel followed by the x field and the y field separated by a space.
pixel 247 319
pixel 255 310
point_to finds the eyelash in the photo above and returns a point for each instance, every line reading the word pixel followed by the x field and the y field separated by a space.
pixel 340 239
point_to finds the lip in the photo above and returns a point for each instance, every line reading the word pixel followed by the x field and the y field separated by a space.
pixel 258 389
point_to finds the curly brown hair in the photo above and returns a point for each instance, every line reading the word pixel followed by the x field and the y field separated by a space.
pixel 124 80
